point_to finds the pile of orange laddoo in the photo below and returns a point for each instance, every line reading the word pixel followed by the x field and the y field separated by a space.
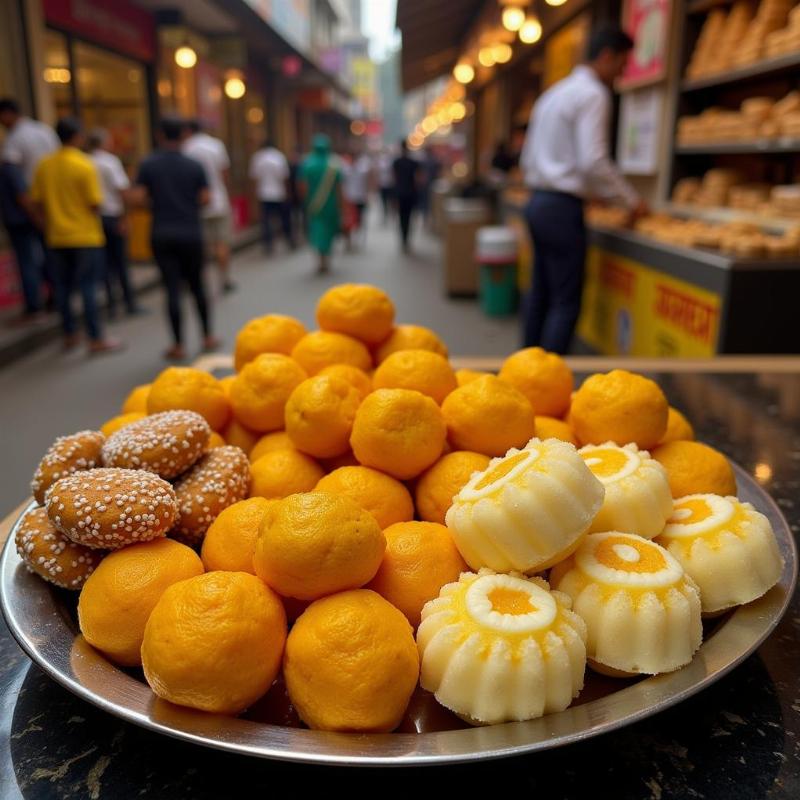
pixel 359 436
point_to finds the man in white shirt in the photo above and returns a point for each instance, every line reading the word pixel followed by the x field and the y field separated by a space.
pixel 269 170
pixel 356 187
pixel 213 155
pixel 27 141
pixel 566 161
pixel 114 185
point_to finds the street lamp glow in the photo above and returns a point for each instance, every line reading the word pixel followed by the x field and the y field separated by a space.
pixel 555 2
pixel 486 57
pixel 185 57
pixel 502 53
pixel 531 31
pixel 463 72
pixel 458 111
pixel 429 125
pixel 235 87
pixel 513 17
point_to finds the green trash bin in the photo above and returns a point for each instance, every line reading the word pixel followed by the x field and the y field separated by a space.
pixel 497 255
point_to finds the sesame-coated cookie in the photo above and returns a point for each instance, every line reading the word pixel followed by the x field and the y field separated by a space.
pixel 51 555
pixel 167 443
pixel 220 479
pixel 110 508
pixel 66 455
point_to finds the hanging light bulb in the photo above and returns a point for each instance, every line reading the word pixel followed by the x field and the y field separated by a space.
pixel 502 53
pixel 463 72
pixel 555 2
pixel 513 17
pixel 234 85
pixel 531 30
pixel 185 57
pixel 486 57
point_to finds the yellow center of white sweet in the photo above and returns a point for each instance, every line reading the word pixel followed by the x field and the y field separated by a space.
pixel 622 559
pixel 697 514
pixel 500 472
pixel 509 604
pixel 609 463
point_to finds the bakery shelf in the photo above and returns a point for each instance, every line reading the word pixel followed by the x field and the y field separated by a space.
pixel 721 214
pixel 782 145
pixel 768 66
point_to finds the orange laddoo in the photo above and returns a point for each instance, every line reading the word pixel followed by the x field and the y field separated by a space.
pixel 488 416
pixel 319 416
pixel 464 376
pixel 314 544
pixel 420 558
pixel 385 498
pixel 191 389
pixel 260 391
pixel 552 428
pixel 215 440
pixel 280 473
pixel 351 663
pixel 120 594
pixel 438 485
pixel 230 540
pixel 409 337
pixel 269 443
pixel 356 309
pixel 273 333
pixel 544 378
pixel 695 468
pixel 678 427
pixel 239 436
pixel 422 370
pixel 353 375
pixel 120 421
pixel 136 399
pixel 398 431
pixel 214 642
pixel 620 407
pixel 320 349
pixel 226 383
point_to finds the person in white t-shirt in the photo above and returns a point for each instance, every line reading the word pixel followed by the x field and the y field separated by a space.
pixel 27 140
pixel 114 184
pixel 269 170
pixel 213 155
pixel 356 187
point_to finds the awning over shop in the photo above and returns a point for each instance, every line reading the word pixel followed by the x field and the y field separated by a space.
pixel 432 36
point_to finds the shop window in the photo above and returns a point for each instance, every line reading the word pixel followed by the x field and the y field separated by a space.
pixel 58 73
pixel 112 92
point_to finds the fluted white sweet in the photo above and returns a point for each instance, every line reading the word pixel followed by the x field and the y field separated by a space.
pixel 638 499
pixel 501 648
pixel 526 510
pixel 642 611
pixel 726 546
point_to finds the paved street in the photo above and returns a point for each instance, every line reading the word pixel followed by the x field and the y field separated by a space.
pixel 47 394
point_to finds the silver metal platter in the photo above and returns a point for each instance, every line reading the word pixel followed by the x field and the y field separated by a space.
pixel 43 622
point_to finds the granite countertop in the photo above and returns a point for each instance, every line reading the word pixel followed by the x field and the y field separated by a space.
pixel 738 739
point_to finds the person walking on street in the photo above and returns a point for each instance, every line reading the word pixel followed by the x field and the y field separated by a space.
pixel 566 161
pixel 114 184
pixel 27 140
pixel 357 177
pixel 321 181
pixel 269 169
pixel 213 156
pixel 406 170
pixel 386 183
pixel 176 189
pixel 67 196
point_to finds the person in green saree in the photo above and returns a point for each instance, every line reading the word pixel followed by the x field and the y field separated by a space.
pixel 321 177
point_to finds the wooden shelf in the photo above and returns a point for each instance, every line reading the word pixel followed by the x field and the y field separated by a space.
pixel 776 146
pixel 722 214
pixel 768 66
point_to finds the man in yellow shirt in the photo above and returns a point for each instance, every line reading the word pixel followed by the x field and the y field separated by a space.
pixel 66 192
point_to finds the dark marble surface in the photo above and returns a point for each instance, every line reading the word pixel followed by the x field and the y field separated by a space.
pixel 738 739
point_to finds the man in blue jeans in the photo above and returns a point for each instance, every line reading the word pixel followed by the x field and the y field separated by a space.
pixel 566 161
pixel 66 195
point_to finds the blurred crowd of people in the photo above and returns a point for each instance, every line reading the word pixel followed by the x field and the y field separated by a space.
pixel 65 197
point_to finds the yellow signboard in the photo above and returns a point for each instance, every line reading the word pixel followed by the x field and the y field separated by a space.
pixel 631 309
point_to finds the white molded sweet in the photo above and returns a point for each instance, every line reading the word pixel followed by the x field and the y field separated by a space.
pixel 727 547
pixel 638 499
pixel 642 611
pixel 501 648
pixel 527 510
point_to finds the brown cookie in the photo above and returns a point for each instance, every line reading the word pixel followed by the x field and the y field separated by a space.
pixel 48 553
pixel 110 508
pixel 66 455
pixel 220 479
pixel 167 443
